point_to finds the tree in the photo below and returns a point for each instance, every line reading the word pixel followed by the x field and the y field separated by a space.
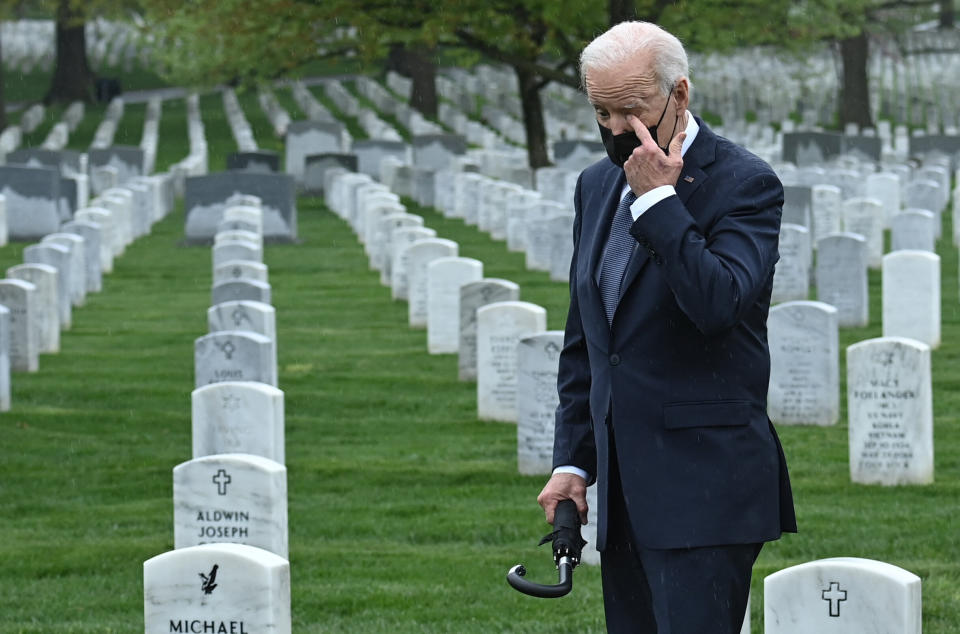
pixel 947 14
pixel 72 77
pixel 850 25
pixel 420 66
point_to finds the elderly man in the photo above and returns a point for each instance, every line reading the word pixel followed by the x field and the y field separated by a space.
pixel 664 371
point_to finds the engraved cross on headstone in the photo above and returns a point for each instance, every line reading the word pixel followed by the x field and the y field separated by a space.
pixel 222 479
pixel 834 595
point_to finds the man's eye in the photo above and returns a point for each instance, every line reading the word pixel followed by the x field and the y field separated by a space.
pixel 602 114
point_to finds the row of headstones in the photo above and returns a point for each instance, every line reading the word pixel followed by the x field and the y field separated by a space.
pixel 229 570
pixel 29 45
pixel 369 120
pixel 196 163
pixel 109 43
pixel 530 221
pixel 510 344
pixel 480 319
pixel 107 130
pixel 58 273
pixel 910 281
pixel 277 115
pixel 889 390
pixel 727 85
pixel 399 108
pixel 239 126
pixel 59 134
pixel 851 238
pixel 822 153
pixel 151 134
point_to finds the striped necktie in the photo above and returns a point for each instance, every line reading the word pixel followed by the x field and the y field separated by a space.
pixel 620 247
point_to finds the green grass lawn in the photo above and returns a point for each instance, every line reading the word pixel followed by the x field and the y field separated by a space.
pixel 405 511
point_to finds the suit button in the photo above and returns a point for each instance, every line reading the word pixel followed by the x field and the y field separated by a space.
pixel 614 359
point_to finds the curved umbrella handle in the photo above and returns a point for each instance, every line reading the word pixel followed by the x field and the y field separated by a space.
pixel 563 586
pixel 566 552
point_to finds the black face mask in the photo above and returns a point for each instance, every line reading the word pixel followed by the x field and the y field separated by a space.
pixel 620 146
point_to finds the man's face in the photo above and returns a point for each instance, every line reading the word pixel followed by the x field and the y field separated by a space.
pixel 632 89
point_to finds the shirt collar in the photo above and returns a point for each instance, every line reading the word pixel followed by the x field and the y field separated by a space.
pixel 692 129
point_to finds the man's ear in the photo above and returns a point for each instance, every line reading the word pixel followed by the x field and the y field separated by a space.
pixel 682 93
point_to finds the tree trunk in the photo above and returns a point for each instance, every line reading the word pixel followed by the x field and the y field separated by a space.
pixel 855 91
pixel 3 96
pixel 621 11
pixel 421 67
pixel 533 123
pixel 72 78
pixel 947 14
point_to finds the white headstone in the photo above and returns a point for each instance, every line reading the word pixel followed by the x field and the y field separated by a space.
pixel 217 587
pixel 842 595
pixel 913 229
pixel 842 277
pixel 560 228
pixel 419 255
pixel 445 277
pixel 890 410
pixel 804 364
pixel 74 244
pixel 538 361
pixel 240 290
pixel 237 498
pixel 47 314
pixel 473 296
pixel 19 298
pixel 236 250
pixel 238 417
pixel 825 205
pixel 92 235
pixel 885 187
pixel 500 327
pixel 865 216
pixel 379 245
pixel 911 296
pixel 401 240
pixel 791 278
pixel 926 194
pixel 241 270
pixel 234 355
pixel 58 257
pixel 109 242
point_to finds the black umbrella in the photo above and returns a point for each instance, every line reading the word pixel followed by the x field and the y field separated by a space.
pixel 567 546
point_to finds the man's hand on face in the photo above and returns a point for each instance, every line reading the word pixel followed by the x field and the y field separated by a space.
pixel 649 167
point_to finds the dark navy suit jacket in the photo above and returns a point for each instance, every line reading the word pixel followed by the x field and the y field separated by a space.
pixel 681 376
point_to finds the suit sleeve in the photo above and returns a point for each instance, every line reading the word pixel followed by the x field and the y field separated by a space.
pixel 716 278
pixel 573 442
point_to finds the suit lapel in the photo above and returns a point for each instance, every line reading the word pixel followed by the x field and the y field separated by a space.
pixel 700 154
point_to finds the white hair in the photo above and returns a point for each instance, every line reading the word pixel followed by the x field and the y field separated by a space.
pixel 628 40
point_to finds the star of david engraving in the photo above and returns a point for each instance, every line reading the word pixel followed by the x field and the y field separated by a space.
pixel 231 403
